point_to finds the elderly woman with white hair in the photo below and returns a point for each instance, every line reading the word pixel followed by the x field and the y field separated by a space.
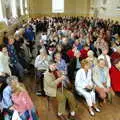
pixel 91 58
pixel 41 65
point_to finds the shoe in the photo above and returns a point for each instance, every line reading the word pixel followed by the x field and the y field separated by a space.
pixel 39 93
pixel 73 117
pixel 97 109
pixel 92 113
pixel 62 117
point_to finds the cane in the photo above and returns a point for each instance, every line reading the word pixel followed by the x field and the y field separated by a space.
pixel 63 73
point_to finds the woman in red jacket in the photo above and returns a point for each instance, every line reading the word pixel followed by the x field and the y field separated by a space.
pixel 115 76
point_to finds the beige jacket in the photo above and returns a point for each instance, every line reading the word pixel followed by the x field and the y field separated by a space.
pixel 50 84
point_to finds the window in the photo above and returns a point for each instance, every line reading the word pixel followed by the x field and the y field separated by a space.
pixel 1 11
pixel 21 7
pixel 14 9
pixel 26 7
pixel 57 6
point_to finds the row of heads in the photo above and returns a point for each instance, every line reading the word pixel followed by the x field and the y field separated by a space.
pixel 10 80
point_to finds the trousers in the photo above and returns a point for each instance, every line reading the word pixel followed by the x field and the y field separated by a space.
pixel 89 96
pixel 62 97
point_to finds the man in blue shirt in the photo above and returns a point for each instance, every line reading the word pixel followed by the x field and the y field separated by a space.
pixel 14 59
pixel 29 35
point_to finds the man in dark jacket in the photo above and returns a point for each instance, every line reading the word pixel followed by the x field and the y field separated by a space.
pixel 74 66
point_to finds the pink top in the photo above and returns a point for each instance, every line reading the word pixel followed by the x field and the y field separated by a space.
pixel 22 102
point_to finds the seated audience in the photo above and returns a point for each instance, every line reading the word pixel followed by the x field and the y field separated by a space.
pixel 74 66
pixel 53 88
pixel 5 96
pixel 26 54
pixel 65 48
pixel 102 80
pixel 19 51
pixel 106 57
pixel 60 63
pixel 5 92
pixel 115 75
pixel 67 40
pixel 91 58
pixel 84 51
pixel 85 86
pixel 78 44
pixel 4 60
pixel 71 52
pixel 29 35
pixel 100 44
pixel 41 64
pixel 115 54
pixel 22 103
pixel 14 59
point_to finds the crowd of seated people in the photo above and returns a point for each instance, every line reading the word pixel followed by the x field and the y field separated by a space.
pixel 15 60
pixel 15 103
pixel 79 54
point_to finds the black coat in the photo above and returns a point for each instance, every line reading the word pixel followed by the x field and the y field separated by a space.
pixel 72 69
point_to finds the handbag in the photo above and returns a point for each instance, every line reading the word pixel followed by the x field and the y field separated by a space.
pixel 88 90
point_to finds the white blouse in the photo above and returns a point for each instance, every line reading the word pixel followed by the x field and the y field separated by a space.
pixel 4 63
pixel 82 79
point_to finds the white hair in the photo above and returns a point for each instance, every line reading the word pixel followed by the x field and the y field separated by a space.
pixel 42 50
pixel 11 79
pixel 90 52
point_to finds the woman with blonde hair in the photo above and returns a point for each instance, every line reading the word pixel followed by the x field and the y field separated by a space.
pixel 85 86
pixel 22 102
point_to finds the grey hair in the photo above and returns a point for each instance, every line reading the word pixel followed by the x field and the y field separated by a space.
pixel 11 78
pixel 42 50
pixel 90 52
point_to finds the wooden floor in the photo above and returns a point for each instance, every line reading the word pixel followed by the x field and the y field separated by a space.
pixel 108 112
